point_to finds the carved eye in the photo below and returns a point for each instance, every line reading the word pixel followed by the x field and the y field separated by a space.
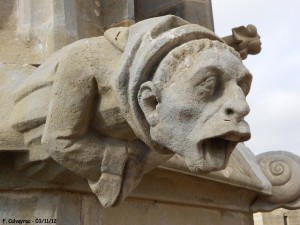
pixel 208 86
pixel 209 83
pixel 245 88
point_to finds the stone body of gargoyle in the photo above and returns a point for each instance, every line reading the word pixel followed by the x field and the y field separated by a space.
pixel 112 108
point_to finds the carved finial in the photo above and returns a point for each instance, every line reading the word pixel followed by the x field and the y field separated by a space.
pixel 245 40
pixel 283 171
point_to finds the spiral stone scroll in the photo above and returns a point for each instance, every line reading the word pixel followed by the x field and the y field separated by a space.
pixel 282 169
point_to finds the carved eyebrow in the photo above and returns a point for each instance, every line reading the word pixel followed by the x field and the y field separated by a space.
pixel 211 68
pixel 245 79
pixel 244 76
pixel 215 69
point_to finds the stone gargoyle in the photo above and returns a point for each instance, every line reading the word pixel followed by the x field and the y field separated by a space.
pixel 112 108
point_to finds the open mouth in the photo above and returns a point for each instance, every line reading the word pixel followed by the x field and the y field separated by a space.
pixel 215 151
pixel 223 145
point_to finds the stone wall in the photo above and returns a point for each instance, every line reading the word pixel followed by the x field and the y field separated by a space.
pixel 77 209
pixel 31 30
pixel 199 11
pixel 278 217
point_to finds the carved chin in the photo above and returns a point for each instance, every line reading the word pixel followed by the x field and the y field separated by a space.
pixel 213 155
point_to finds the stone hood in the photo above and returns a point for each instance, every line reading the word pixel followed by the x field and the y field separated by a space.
pixel 148 42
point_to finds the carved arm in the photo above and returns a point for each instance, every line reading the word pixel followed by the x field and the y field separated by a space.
pixel 70 141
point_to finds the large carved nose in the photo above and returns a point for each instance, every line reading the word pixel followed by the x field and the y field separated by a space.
pixel 236 106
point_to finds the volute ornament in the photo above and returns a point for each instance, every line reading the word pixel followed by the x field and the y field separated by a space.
pixel 283 171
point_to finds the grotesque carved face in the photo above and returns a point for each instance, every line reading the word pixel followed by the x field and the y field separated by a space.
pixel 199 112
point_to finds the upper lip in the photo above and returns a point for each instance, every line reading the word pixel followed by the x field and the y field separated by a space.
pixel 236 136
pixel 233 136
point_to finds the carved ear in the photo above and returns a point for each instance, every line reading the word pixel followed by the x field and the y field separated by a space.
pixel 148 100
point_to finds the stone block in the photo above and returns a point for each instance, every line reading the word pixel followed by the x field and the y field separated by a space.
pixel 57 208
pixel 199 11
pixel 64 208
pixel 150 212
pixel 30 31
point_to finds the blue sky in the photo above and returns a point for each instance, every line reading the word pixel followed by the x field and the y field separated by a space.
pixel 275 94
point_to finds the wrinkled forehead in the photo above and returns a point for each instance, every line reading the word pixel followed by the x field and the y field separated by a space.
pixel 216 61
pixel 200 58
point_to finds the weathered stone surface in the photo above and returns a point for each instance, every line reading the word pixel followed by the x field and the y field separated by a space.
pixel 92 101
pixel 242 170
pixel 148 212
pixel 11 77
pixel 278 217
pixel 30 32
pixel 81 209
pixel 101 113
pixel 244 40
pixel 117 13
pixel 136 106
pixel 283 171
pixel 198 11
pixel 39 207
pixel 169 183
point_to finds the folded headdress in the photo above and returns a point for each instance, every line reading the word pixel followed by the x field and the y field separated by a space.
pixel 148 42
